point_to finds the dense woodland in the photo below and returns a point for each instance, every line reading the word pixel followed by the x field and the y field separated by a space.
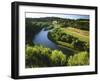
pixel 70 33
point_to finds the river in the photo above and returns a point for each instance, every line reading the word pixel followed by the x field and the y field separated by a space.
pixel 42 38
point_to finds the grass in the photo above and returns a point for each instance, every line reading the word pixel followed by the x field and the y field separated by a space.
pixel 65 44
pixel 83 35
pixel 69 46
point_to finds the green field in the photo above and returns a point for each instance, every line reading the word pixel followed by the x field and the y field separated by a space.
pixel 83 35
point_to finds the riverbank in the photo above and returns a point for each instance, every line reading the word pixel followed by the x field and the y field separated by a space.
pixel 63 44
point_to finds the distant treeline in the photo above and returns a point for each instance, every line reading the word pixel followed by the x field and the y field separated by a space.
pixel 76 23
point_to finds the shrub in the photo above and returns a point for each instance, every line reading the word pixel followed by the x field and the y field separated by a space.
pixel 58 58
pixel 80 45
pixel 81 58
pixel 37 56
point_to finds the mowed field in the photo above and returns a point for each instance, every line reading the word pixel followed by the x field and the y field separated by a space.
pixel 83 35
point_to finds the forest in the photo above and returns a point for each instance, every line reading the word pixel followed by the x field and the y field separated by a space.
pixel 70 34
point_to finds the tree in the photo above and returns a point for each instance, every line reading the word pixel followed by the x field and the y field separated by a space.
pixel 37 56
pixel 81 58
pixel 58 58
